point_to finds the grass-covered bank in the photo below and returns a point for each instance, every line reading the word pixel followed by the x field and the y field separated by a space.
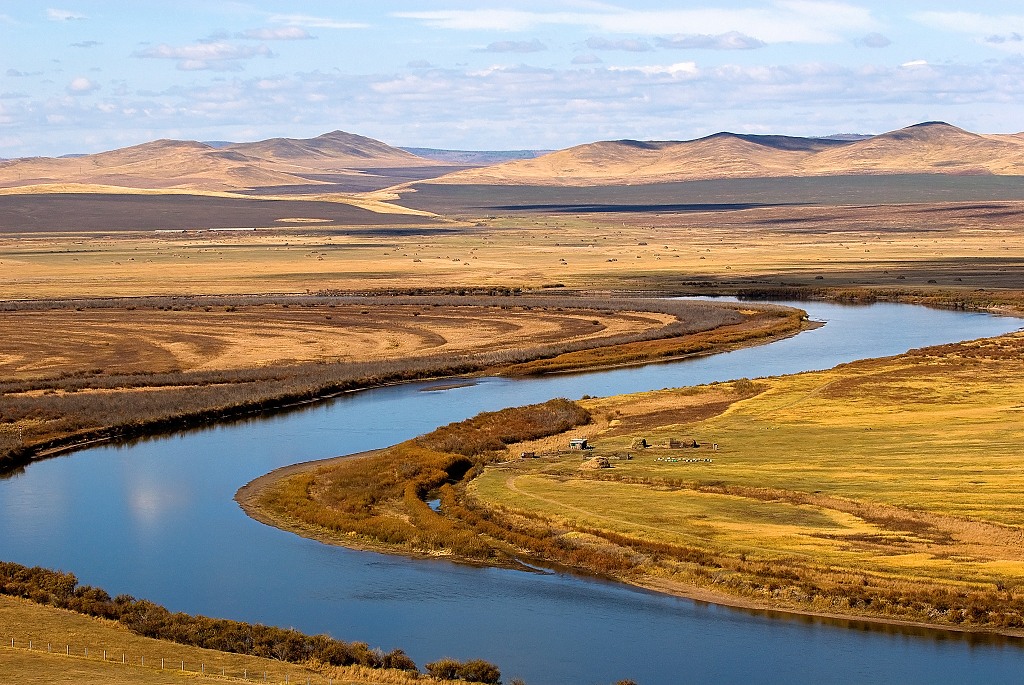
pixel 57 623
pixel 58 410
pixel 882 489
pixel 380 499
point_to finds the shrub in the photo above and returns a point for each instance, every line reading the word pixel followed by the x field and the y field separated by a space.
pixel 444 669
pixel 479 671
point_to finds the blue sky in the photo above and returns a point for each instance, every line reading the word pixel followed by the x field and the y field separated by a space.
pixel 84 76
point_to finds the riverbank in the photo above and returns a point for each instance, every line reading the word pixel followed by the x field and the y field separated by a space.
pixel 837 546
pixel 44 644
pixel 51 415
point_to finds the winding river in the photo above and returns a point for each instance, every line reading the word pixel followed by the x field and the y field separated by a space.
pixel 156 519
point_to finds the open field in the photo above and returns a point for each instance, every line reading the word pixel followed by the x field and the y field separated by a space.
pixel 895 232
pixel 886 488
pixel 167 336
pixel 826 492
pixel 85 370
pixel 722 194
pixel 117 212
pixel 66 631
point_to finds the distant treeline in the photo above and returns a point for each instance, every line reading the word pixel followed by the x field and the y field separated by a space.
pixel 142 617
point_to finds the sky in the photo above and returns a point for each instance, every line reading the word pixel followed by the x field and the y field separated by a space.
pixel 83 76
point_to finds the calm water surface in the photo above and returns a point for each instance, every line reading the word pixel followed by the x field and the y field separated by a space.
pixel 156 519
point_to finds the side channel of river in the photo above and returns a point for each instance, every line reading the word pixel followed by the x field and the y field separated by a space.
pixel 156 519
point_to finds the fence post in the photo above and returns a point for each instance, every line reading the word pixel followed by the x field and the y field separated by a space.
pixel 123 659
pixel 104 655
pixel 69 649
pixel 30 645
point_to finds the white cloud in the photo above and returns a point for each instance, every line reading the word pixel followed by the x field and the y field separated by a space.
pixel 972 22
pixel 315 22
pixel 677 69
pixel 805 21
pixel 915 63
pixel 63 15
pixel 731 40
pixel 1000 31
pixel 517 46
pixel 82 86
pixel 875 40
pixel 214 55
pixel 277 33
pixel 625 44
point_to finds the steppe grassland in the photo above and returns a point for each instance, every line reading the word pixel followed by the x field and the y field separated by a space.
pixel 895 246
pixel 24 620
pixel 193 337
pixel 903 471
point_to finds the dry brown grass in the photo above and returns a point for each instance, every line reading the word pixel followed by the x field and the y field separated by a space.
pixel 145 339
pixel 880 246
pixel 66 631
pixel 885 488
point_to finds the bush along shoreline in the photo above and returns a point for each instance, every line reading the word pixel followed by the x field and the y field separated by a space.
pixel 148 619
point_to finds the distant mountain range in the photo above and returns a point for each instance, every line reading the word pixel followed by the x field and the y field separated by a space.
pixel 328 160
pixel 931 147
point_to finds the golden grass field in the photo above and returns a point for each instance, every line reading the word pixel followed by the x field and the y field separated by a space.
pixel 188 336
pixel 879 246
pixel 827 488
pixel 45 626
pixel 895 478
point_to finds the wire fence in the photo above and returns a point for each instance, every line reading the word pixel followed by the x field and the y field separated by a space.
pixel 285 674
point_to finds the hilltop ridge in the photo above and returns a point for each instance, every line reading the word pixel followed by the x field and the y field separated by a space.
pixel 929 147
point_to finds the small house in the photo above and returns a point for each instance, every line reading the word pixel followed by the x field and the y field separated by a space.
pixel 578 444
pixel 527 455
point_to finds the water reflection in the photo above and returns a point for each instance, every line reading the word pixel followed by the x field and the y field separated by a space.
pixel 155 518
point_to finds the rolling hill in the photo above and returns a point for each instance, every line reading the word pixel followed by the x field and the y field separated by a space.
pixel 191 165
pixel 931 147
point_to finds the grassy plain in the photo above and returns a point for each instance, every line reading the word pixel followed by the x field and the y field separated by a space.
pixel 826 494
pixel 77 371
pixel 661 247
pixel 886 488
pixel 66 631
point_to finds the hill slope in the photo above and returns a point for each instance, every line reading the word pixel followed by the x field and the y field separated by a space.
pixel 932 147
pixel 190 165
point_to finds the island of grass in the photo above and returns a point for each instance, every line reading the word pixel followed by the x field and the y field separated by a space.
pixel 883 489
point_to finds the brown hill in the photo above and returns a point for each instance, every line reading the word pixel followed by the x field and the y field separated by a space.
pixel 159 164
pixel 932 147
pixel 334 151
pixel 190 165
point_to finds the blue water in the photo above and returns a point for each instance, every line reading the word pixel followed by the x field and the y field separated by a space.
pixel 156 519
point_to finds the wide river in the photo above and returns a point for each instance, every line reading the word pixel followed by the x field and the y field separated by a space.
pixel 156 519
